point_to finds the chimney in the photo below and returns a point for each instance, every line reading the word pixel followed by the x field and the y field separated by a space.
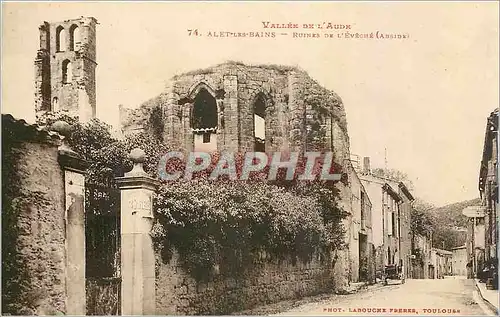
pixel 366 165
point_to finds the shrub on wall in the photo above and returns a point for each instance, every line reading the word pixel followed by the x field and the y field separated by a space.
pixel 108 157
pixel 231 223
pixel 202 219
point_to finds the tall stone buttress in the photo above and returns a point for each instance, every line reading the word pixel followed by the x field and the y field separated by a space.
pixel 65 68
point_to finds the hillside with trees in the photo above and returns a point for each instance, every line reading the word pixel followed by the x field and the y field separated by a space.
pixel 447 223
pixel 450 224
pixel 452 214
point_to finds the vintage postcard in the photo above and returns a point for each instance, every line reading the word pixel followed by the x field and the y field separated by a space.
pixel 250 158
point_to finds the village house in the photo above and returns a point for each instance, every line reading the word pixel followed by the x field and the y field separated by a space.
pixel 391 219
pixel 459 261
pixel 441 261
pixel 89 228
pixel 476 259
pixel 421 252
pixel 488 190
pixel 361 249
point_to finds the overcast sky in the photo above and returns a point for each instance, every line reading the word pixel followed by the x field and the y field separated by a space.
pixel 425 99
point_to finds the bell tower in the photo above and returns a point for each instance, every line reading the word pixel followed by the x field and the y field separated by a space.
pixel 65 68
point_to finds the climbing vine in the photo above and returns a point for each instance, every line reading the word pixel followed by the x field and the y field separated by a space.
pixel 229 225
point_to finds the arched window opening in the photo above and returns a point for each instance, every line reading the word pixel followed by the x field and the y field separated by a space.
pixel 74 37
pixel 60 39
pixel 259 123
pixel 55 104
pixel 67 72
pixel 204 111
pixel 204 122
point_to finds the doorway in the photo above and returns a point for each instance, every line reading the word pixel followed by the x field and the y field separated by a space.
pixel 363 257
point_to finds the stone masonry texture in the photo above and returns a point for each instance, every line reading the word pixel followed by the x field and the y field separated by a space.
pixel 293 101
pixel 39 204
pixel 264 283
pixel 78 95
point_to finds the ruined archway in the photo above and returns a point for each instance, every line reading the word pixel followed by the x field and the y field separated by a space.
pixel 67 72
pixel 204 121
pixel 74 37
pixel 60 39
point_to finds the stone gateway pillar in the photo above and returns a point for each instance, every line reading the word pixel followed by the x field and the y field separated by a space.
pixel 137 255
pixel 74 196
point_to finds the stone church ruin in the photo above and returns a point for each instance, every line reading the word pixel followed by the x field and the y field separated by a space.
pixel 238 107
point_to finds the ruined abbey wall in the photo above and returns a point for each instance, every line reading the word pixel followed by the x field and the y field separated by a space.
pixel 294 103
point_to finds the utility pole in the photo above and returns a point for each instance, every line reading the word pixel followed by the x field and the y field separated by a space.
pixel 430 257
pixel 385 158
pixel 473 247
pixel 384 228
pixel 399 233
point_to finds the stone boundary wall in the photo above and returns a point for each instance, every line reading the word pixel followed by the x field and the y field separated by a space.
pixel 33 217
pixel 269 282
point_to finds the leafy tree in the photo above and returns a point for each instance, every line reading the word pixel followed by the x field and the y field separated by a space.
pixel 395 175
pixel 446 238
pixel 450 224
pixel 440 223
pixel 422 221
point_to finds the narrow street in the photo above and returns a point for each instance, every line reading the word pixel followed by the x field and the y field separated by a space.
pixel 420 297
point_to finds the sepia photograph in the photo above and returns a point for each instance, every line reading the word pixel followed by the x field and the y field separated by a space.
pixel 333 158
